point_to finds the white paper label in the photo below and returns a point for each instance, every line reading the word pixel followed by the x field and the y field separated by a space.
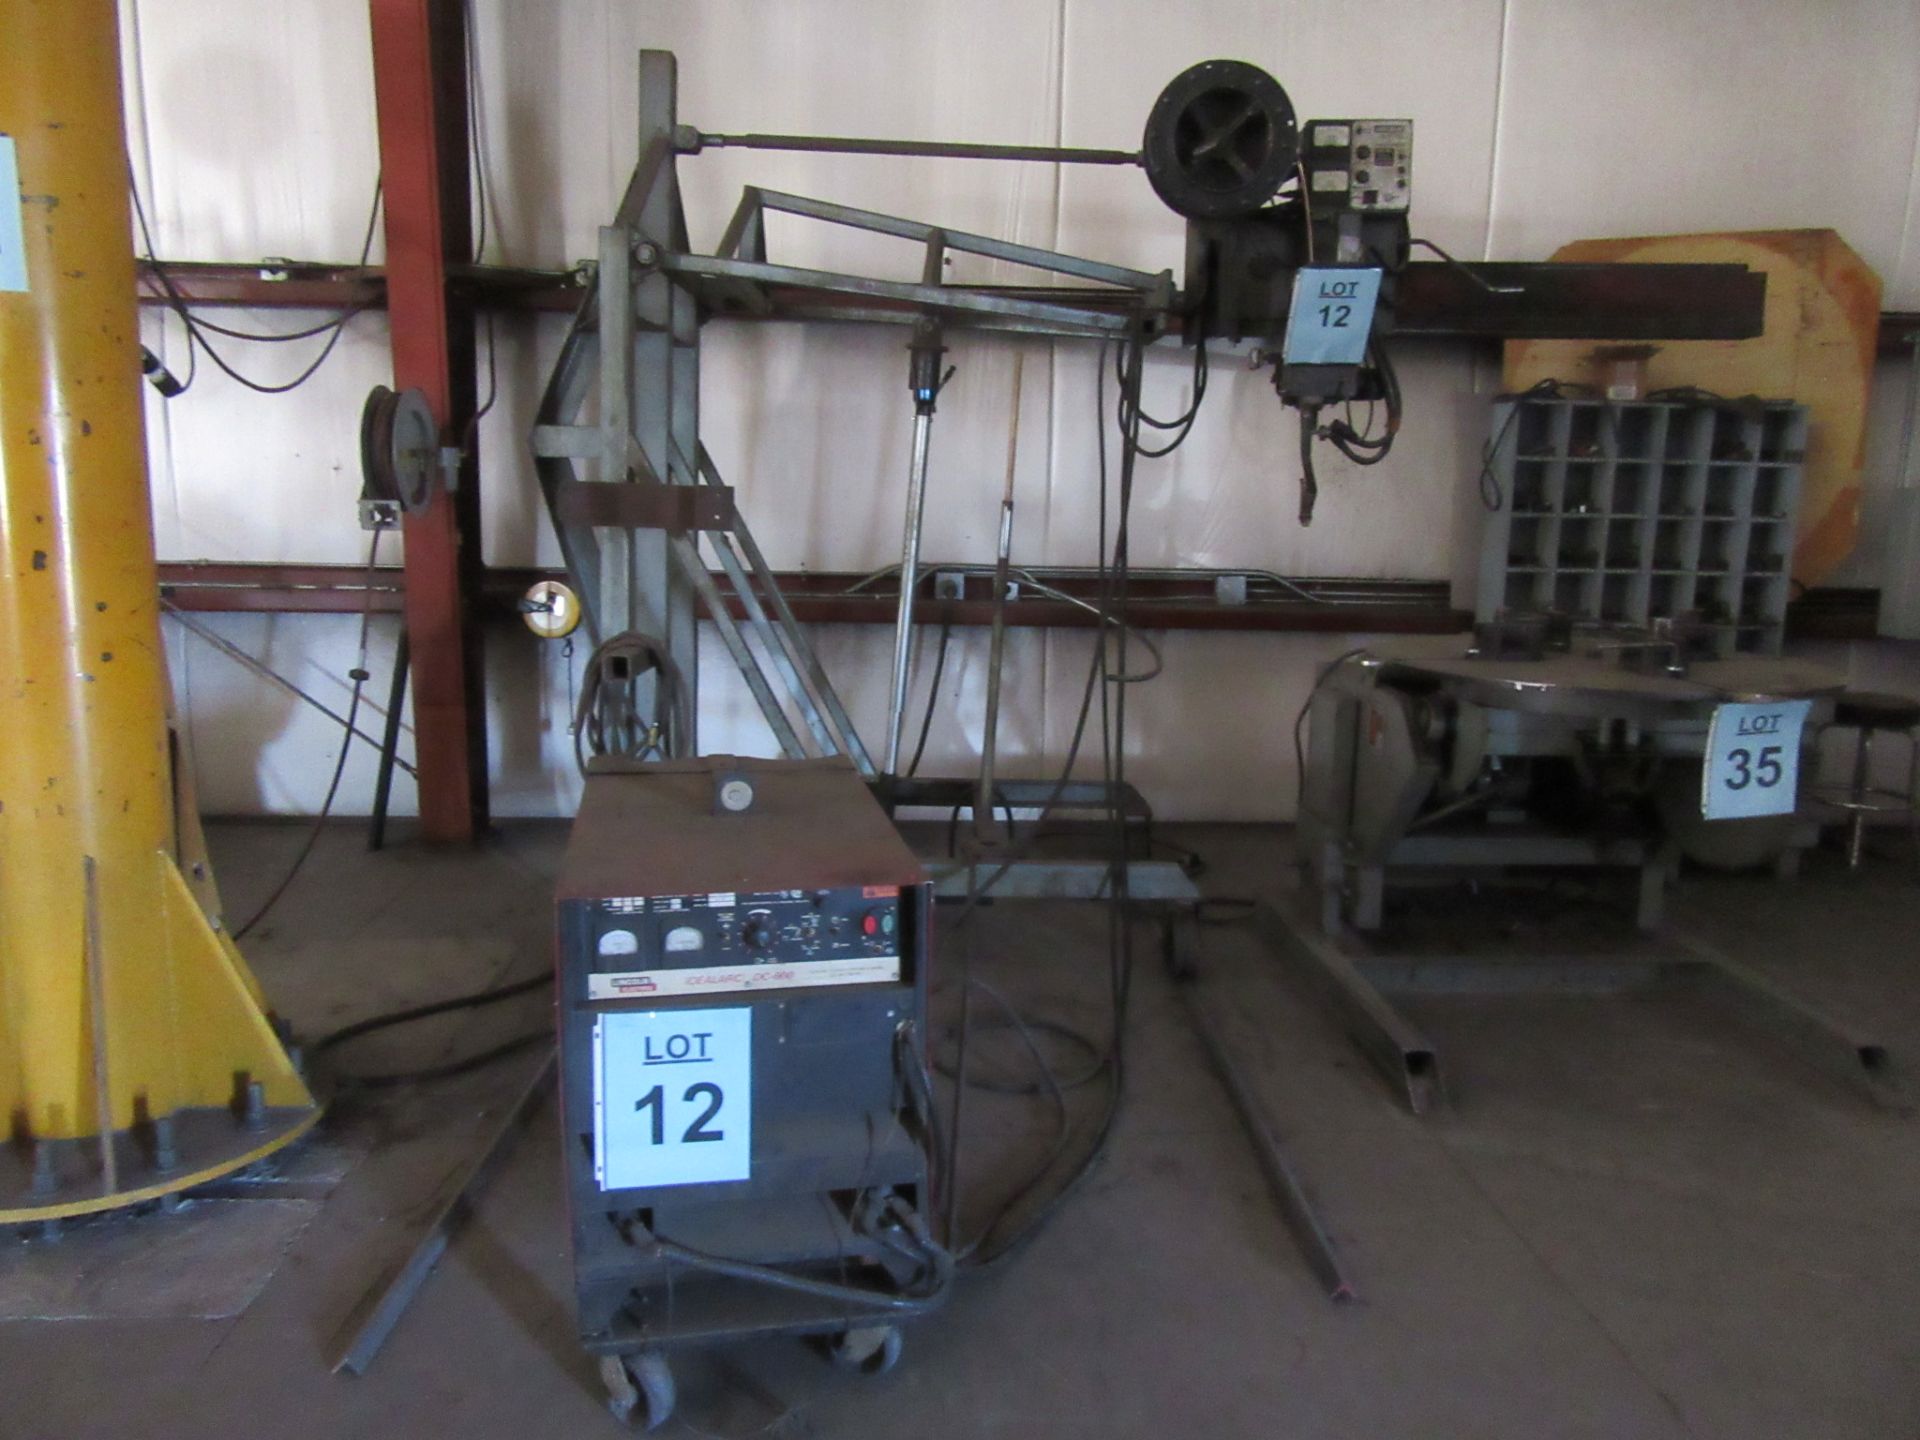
pixel 1753 760
pixel 13 240
pixel 719 979
pixel 672 1097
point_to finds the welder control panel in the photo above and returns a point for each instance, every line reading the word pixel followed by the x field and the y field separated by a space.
pixel 648 946
pixel 1359 165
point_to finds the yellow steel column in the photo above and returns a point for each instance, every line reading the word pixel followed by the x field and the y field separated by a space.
pixel 133 1061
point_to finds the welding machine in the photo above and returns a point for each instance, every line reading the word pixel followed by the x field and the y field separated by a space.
pixel 746 1102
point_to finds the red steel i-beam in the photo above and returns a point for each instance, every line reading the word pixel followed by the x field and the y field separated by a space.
pixel 420 88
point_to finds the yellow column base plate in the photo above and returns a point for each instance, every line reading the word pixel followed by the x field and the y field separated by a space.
pixel 208 1144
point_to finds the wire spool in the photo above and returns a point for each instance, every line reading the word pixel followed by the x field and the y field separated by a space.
pixel 1221 140
pixel 399 449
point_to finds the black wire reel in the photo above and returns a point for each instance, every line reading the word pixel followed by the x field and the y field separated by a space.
pixel 1221 140
pixel 399 456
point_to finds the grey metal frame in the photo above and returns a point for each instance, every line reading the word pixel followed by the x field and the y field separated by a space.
pixel 635 345
pixel 1355 977
pixel 634 348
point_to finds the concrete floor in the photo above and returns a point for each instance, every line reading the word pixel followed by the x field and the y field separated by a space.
pixel 1637 1220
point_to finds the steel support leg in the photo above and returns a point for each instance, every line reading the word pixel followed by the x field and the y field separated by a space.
pixel 1289 1194
pixel 1860 1064
pixel 380 1309
pixel 1398 1050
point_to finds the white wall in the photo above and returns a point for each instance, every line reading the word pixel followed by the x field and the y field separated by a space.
pixel 1538 123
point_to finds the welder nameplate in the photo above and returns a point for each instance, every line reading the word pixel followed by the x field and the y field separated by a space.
pixel 13 240
pixel 717 979
pixel 1753 759
pixel 1332 315
pixel 672 1097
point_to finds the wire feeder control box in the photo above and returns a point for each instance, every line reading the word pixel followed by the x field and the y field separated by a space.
pixel 1359 165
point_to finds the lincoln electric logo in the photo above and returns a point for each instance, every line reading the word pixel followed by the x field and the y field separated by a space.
pixel 640 984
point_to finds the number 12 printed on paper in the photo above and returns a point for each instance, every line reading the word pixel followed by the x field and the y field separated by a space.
pixel 673 1097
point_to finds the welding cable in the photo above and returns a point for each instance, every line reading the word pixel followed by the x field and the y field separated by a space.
pixel 1369 449
pixel 910 1059
pixel 1063 1132
pixel 977 890
pixel 605 718
pixel 993 1246
pixel 1306 208
pixel 359 675
pixel 466 1065
pixel 1491 496
pixel 198 329
pixel 983 1253
pixel 1131 415
pixel 1027 1031
pixel 476 1000
pixel 933 696
pixel 1300 725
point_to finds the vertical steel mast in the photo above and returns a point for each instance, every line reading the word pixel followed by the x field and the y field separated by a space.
pixel 136 1057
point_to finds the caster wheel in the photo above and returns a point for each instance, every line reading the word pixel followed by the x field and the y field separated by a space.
pixel 869 1350
pixel 639 1388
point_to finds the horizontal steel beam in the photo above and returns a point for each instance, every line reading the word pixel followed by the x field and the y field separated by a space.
pixel 305 285
pixel 1581 302
pixel 1164 600
pixel 1435 300
pixel 1148 881
pixel 695 141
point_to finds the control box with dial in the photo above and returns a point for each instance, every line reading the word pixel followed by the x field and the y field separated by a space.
pixel 1359 165
pixel 714 942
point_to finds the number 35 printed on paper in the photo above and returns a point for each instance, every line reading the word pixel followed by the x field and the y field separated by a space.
pixel 673 1097
pixel 1753 760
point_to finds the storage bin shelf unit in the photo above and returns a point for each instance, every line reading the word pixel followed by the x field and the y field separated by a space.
pixel 1628 512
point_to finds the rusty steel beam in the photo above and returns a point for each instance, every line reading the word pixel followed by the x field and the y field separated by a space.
pixel 1899 331
pixel 1596 302
pixel 1164 601
pixel 419 74
pixel 1581 302
pixel 316 285
pixel 282 589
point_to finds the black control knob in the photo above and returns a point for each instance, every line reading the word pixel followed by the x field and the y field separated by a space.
pixel 757 933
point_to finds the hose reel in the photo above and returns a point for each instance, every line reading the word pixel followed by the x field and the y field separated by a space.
pixel 400 452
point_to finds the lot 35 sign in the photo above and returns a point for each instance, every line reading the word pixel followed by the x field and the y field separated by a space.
pixel 1753 759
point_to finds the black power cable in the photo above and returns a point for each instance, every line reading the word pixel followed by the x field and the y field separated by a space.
pixel 933 695
pixel 1000 1237
pixel 359 675
pixel 462 1066
pixel 199 329
pixel 606 718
